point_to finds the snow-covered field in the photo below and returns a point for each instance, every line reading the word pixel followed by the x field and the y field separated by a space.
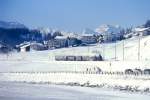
pixel 48 66
pixel 44 60
pixel 24 91
pixel 39 67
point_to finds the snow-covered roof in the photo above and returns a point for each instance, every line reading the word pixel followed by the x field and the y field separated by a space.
pixel 24 46
pixel 69 34
pixel 36 43
pixel 60 37
pixel 141 29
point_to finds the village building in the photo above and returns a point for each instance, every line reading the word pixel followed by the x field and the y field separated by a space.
pixel 38 46
pixel 142 31
pixel 88 38
pixel 24 47
pixel 72 41
pixel 4 49
pixel 61 41
pixel 58 42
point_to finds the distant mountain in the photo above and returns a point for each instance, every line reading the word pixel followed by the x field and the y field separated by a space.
pixel 45 30
pixel 54 32
pixel 108 29
pixel 70 34
pixel 109 32
pixel 88 31
pixel 14 36
pixel 14 33
pixel 11 25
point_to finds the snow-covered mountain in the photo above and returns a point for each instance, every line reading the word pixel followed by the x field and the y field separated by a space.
pixel 45 30
pixel 108 29
pixel 89 31
pixel 109 32
pixel 9 25
pixel 51 31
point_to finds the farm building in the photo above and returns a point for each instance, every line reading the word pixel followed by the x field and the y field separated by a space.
pixel 72 41
pixel 23 47
pixel 61 41
pixel 38 46
pixel 57 42
pixel 142 31
pixel 88 38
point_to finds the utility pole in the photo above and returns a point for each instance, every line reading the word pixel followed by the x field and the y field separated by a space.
pixel 123 49
pixel 88 50
pixel 115 49
pixel 104 40
pixel 139 49
pixel 103 51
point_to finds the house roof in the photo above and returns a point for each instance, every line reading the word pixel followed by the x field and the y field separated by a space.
pixel 142 29
pixel 60 37
pixel 23 45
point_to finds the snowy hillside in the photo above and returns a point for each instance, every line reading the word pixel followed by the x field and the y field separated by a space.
pixel 45 60
pixel 109 51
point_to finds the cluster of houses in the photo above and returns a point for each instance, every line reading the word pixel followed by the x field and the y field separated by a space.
pixel 138 31
pixel 28 46
pixel 58 42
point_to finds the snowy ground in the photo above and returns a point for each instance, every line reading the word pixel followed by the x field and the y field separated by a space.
pixel 43 61
pixel 24 91
pixel 48 66
pixel 133 83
